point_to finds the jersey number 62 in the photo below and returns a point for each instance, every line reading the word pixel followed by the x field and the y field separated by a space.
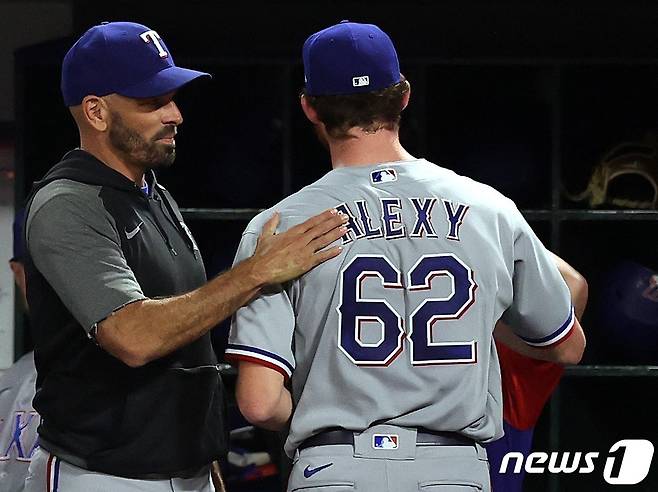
pixel 354 310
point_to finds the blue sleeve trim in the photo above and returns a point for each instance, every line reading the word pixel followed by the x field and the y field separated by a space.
pixel 556 336
pixel 232 348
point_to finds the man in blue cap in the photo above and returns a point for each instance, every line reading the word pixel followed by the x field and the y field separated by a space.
pixel 128 386
pixel 383 364
pixel 18 420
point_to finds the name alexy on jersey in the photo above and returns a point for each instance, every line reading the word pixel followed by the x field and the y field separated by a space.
pixel 391 225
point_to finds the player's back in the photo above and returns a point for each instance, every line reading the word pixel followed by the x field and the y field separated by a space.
pixel 398 328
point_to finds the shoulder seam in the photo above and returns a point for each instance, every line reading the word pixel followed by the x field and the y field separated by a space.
pixel 64 197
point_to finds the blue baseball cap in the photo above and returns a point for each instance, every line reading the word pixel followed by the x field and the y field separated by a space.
pixel 19 239
pixel 349 58
pixel 123 58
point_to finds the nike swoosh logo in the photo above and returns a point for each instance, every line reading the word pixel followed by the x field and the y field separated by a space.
pixel 133 233
pixel 309 472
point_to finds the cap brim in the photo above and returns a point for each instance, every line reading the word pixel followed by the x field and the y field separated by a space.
pixel 167 80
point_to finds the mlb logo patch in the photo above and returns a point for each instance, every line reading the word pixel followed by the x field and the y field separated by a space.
pixel 361 81
pixel 385 441
pixel 383 176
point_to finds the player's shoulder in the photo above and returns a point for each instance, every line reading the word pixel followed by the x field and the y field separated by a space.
pixel 296 208
pixel 467 190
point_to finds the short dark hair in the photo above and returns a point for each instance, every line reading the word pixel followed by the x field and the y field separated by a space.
pixel 370 111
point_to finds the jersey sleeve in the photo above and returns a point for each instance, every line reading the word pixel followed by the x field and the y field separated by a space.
pixel 75 246
pixel 541 312
pixel 262 331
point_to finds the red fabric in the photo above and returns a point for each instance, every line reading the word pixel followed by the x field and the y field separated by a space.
pixel 527 386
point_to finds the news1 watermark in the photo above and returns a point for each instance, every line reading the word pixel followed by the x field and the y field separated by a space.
pixel 626 463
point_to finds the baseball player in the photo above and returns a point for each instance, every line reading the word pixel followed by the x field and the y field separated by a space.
pixel 18 419
pixel 383 361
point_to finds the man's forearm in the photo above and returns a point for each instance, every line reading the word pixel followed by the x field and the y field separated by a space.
pixel 147 330
pixel 577 284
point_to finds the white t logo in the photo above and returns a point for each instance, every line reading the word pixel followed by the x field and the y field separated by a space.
pixel 152 36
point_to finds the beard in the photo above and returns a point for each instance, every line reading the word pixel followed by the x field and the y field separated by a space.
pixel 138 150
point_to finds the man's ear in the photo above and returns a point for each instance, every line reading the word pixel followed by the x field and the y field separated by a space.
pixel 95 112
pixel 406 96
pixel 309 110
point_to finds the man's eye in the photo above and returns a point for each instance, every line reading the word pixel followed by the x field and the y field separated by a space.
pixel 152 103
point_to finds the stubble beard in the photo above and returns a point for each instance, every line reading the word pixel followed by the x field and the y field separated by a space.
pixel 137 150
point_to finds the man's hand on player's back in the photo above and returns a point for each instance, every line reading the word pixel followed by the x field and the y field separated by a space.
pixel 282 257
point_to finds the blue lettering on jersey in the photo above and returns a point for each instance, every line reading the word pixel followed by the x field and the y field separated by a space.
pixel 22 420
pixel 455 217
pixel 393 226
pixel 424 350
pixel 360 224
pixel 366 221
pixel 353 311
pixel 353 229
pixel 423 223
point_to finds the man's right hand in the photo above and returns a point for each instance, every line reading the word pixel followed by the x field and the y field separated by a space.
pixel 177 321
pixel 282 257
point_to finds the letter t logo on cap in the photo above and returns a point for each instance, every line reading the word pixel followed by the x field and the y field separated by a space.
pixel 149 36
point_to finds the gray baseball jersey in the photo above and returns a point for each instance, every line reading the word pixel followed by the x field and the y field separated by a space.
pixel 398 328
pixel 18 423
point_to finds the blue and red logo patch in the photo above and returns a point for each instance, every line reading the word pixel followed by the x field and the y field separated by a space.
pixel 383 176
pixel 385 441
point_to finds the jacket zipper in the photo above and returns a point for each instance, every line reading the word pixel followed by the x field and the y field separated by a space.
pixel 157 223
pixel 177 222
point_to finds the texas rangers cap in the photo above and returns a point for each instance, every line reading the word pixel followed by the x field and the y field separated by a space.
pixel 124 58
pixel 349 58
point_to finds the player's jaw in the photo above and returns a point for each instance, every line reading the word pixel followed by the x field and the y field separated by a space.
pixel 158 150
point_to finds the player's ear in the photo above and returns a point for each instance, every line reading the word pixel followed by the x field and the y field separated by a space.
pixel 309 110
pixel 406 96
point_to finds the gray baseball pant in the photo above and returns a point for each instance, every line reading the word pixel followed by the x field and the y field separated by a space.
pixel 409 467
pixel 48 473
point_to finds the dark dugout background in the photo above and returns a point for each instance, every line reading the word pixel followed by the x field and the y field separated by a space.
pixel 524 95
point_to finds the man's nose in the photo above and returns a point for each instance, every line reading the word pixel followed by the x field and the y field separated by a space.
pixel 172 114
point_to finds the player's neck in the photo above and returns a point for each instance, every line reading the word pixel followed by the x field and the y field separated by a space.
pixel 367 148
